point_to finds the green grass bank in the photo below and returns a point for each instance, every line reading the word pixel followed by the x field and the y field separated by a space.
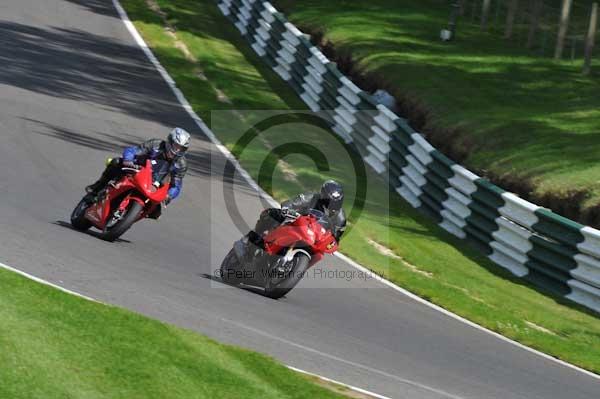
pixel 221 72
pixel 529 123
pixel 56 345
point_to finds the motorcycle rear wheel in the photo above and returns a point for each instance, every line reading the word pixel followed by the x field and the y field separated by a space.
pixel 277 288
pixel 131 216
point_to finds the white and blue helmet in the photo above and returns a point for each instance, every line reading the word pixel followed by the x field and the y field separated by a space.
pixel 177 142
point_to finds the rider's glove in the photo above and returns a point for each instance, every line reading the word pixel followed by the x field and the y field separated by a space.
pixel 128 164
pixel 289 213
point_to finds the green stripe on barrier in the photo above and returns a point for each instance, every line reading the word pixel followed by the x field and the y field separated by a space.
pixel 541 277
pixel 485 209
pixel 328 101
pixel 434 180
pixel 433 208
pixel 367 102
pixel 558 228
pixel 436 193
pixel 395 171
pixel 253 21
pixel 440 167
pixel 555 239
pixel 435 188
pixel 444 160
pixel 332 67
pixel 553 249
pixel 482 218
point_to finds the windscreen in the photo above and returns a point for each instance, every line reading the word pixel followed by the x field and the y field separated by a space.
pixel 321 218
pixel 160 170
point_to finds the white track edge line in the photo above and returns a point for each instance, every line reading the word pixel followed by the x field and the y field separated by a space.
pixel 404 381
pixel 87 298
pixel 45 282
pixel 460 318
pixel 186 105
pixel 360 390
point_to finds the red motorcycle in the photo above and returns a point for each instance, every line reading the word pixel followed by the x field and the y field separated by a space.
pixel 134 197
pixel 290 250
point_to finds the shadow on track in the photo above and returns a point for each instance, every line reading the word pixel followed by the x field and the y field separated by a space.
pixel 90 232
pixel 103 7
pixel 253 290
pixel 200 163
pixel 82 66
pixel 106 73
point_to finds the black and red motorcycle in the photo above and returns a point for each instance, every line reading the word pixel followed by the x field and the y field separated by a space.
pixel 289 251
pixel 133 197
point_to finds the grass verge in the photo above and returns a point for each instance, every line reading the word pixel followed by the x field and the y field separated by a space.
pixel 390 237
pixel 56 345
pixel 529 123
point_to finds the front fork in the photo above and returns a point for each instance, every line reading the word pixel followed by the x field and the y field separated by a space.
pixel 122 209
pixel 285 263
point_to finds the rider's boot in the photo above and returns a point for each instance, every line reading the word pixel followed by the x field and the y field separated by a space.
pixel 110 173
pixel 253 245
pixel 94 188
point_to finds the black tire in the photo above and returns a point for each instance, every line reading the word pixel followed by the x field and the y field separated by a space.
pixel 229 266
pixel 277 288
pixel 130 217
pixel 78 220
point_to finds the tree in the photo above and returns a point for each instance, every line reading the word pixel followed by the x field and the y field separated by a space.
pixel 510 18
pixel 461 7
pixel 562 28
pixel 485 13
pixel 473 10
pixel 590 39
pixel 535 21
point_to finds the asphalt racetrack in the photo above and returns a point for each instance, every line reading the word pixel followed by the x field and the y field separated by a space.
pixel 76 88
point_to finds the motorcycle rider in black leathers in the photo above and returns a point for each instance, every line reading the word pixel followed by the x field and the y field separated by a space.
pixel 328 200
pixel 172 150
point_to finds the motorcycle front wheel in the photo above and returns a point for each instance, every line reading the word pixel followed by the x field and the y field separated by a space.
pixel 229 268
pixel 78 220
pixel 277 287
pixel 124 223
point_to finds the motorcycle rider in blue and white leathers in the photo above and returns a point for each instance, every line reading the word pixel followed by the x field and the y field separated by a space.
pixel 172 150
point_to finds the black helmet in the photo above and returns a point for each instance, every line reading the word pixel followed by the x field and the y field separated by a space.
pixel 332 195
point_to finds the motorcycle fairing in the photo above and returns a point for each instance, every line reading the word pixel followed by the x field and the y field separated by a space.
pixel 145 184
pixel 307 232
pixel 142 183
pixel 288 235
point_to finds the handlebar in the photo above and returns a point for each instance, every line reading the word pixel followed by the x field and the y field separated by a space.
pixel 134 168
pixel 290 213
pixel 287 212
